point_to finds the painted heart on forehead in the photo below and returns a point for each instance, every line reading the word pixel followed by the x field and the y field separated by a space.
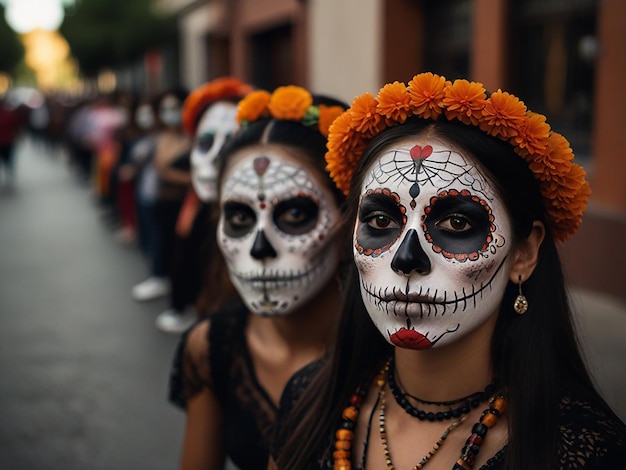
pixel 419 153
pixel 276 229
pixel 430 243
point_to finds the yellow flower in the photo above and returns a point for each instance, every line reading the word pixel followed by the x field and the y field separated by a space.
pixel 289 103
pixel 503 115
pixel 253 106
pixel 427 93
pixel 464 101
pixel 394 102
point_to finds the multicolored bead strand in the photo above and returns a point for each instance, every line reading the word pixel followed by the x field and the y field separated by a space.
pixel 497 406
pixel 345 434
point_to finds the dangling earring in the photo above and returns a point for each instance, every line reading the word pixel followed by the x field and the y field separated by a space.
pixel 521 304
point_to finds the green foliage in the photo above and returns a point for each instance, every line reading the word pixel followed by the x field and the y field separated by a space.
pixel 107 33
pixel 11 48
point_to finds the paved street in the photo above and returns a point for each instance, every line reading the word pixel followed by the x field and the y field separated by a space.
pixel 84 370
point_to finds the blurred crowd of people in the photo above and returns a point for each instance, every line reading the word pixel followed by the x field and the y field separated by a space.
pixel 134 153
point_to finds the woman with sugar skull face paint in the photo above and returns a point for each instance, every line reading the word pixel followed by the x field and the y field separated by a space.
pixel 456 349
pixel 279 234
pixel 197 287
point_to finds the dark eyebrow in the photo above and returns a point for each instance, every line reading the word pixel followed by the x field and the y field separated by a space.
pixel 378 201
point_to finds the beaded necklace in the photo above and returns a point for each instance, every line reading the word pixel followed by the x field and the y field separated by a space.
pixel 383 437
pixel 345 433
pixel 468 403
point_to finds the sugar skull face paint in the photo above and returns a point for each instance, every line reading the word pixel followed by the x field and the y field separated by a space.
pixel 276 229
pixel 215 126
pixel 430 243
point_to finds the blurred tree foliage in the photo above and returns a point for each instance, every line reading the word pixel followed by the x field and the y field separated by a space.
pixel 109 33
pixel 11 48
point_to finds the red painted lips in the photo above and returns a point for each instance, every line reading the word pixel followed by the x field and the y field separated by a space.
pixel 410 339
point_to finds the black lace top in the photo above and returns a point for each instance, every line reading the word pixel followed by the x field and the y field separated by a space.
pixel 215 356
pixel 589 438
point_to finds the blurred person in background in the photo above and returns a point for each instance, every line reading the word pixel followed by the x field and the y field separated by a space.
pixel 171 163
pixel 76 138
pixel 279 230
pixel 10 126
pixel 141 173
pixel 122 188
pixel 209 118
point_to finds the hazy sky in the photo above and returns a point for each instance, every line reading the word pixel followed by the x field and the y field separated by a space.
pixel 26 15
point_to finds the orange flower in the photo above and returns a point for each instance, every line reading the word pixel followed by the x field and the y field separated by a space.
pixel 503 115
pixel 427 93
pixel 207 94
pixel 253 106
pixel 533 135
pixel 365 119
pixel 394 102
pixel 464 101
pixel 289 103
pixel 555 160
pixel 344 150
pixel 327 115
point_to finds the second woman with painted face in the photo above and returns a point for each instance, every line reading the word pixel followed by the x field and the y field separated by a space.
pixel 279 233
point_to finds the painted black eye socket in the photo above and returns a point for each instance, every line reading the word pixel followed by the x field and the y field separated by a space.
pixel 205 142
pixel 296 216
pixel 459 224
pixel 380 221
pixel 239 219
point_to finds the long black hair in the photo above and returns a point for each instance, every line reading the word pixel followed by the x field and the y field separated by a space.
pixel 536 356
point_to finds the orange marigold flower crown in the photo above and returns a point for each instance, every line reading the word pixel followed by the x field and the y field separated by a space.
pixel 562 182
pixel 287 103
pixel 224 88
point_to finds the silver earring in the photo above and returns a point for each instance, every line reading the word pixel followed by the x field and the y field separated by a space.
pixel 521 304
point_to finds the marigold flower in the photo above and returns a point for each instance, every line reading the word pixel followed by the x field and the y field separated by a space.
pixel 365 119
pixel 289 103
pixel 253 106
pixel 503 115
pixel 427 93
pixel 464 101
pixel 394 102
pixel 205 95
pixel 327 115
pixel 533 134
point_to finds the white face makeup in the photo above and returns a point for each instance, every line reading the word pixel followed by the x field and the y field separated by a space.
pixel 276 229
pixel 217 123
pixel 430 243
pixel 170 111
